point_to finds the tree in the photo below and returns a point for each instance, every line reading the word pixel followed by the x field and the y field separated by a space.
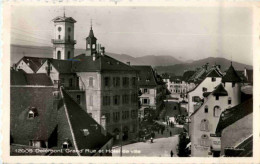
pixel 181 148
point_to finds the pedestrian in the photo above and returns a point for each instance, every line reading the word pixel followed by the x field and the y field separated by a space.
pixel 170 133
pixel 171 153
pixel 151 139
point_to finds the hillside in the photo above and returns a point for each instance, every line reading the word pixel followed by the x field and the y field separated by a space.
pixel 179 69
pixel 18 51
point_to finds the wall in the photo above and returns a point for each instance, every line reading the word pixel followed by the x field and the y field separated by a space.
pixel 54 74
pixel 151 95
pixel 237 132
pixel 195 132
pixel 22 65
pixel 207 83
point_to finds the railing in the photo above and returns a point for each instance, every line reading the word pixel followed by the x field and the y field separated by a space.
pixel 61 41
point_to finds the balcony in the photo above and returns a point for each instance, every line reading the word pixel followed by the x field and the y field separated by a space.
pixel 63 41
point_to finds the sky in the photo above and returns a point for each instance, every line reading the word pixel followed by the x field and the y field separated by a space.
pixel 186 33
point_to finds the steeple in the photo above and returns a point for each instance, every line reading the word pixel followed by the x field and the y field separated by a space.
pixel 91 41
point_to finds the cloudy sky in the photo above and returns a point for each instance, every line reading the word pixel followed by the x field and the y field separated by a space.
pixel 187 33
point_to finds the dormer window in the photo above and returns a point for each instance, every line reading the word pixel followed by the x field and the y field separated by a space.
pixel 32 113
pixel 66 144
pixel 213 79
pixel 85 132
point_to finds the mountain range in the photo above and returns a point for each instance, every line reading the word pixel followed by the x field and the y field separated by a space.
pixel 161 63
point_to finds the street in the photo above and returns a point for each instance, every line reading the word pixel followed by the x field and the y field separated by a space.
pixel 160 147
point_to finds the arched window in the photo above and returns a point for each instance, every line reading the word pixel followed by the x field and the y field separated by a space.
pixel 93 46
pixel 88 45
pixel 58 36
pixel 206 109
pixel 58 55
pixel 69 29
pixel 229 101
pixel 217 111
pixel 69 38
pixel 68 54
pixel 204 125
pixel 204 141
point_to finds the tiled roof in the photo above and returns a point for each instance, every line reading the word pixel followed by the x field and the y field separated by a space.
pixel 33 62
pixel 231 75
pixel 220 91
pixel 81 120
pixel 21 78
pixel 247 146
pixel 17 77
pixel 206 94
pixel 62 66
pixel 187 75
pixel 146 76
pixel 64 19
pixel 91 35
pixel 242 76
pixel 214 73
pixel 102 63
pixel 23 128
pixel 234 114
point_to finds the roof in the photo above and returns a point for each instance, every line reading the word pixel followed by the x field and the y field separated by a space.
pixel 231 75
pixel 146 76
pixel 247 146
pixel 248 89
pixel 234 114
pixel 21 78
pixel 64 19
pixel 187 75
pixel 214 73
pixel 62 66
pixel 33 62
pixel 220 91
pixel 80 120
pixel 102 63
pixel 41 127
pixel 206 94
pixel 91 35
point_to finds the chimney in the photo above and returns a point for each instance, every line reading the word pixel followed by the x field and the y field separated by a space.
pixel 103 125
pixel 56 99
pixel 102 50
pixel 206 66
pixel 128 63
pixel 219 66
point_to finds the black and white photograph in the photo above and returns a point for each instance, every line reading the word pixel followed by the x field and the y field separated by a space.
pixel 132 81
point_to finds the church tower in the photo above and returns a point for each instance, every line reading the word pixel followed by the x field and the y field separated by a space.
pixel 91 44
pixel 63 42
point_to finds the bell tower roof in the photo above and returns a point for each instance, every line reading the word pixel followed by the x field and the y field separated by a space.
pixel 64 19
pixel 91 36
pixel 231 75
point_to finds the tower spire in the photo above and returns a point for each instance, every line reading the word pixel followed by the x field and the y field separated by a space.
pixel 64 12
pixel 91 23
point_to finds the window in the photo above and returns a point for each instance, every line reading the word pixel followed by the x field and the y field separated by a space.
pixel 217 97
pixel 125 81
pixel 204 89
pixel 58 55
pixel 78 99
pixel 229 101
pixel 88 46
pixel 65 145
pixel 133 114
pixel 134 98
pixel 77 81
pixel 59 29
pixel 90 100
pixel 68 37
pixel 70 82
pixel 125 99
pixel 58 36
pixel 146 101
pixel 204 140
pixel 213 79
pixel 116 81
pixel 85 132
pixel 206 109
pixel 106 100
pixel 133 81
pixel 116 100
pixel 233 84
pixel 31 114
pixel 146 90
pixel 107 117
pixel 217 111
pixel 90 82
pixel 93 46
pixel 107 81
pixel 195 99
pixel 69 29
pixel 68 54
pixel 116 116
pixel 204 125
